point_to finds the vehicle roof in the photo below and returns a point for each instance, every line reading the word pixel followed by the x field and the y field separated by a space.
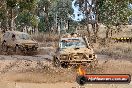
pixel 16 32
pixel 71 38
pixel 72 35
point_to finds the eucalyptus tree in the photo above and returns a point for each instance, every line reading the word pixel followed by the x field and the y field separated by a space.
pixel 3 18
pixel 107 12
pixel 89 9
pixel 11 5
pixel 27 16
pixel 113 13
pixel 62 10
pixel 43 7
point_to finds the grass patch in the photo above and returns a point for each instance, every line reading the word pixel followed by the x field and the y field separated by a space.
pixel 116 49
pixel 46 37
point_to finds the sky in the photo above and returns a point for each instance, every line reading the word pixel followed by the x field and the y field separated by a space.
pixel 81 15
pixel 76 12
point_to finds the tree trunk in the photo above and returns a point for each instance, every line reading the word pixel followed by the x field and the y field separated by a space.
pixel 11 20
pixel 97 29
pixel 68 25
pixel 47 18
pixel 107 32
pixel 96 21
pixel 96 32
pixel 88 30
pixel 87 15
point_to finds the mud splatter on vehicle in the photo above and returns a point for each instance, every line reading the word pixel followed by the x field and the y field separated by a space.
pixel 75 50
pixel 19 42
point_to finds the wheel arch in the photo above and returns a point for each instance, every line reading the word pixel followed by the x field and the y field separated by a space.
pixel 3 41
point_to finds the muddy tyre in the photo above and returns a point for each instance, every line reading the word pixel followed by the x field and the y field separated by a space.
pixel 4 47
pixel 64 65
pixel 18 50
pixel 56 62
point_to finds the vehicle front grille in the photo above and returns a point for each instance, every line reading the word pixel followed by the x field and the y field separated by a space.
pixel 64 57
pixel 78 56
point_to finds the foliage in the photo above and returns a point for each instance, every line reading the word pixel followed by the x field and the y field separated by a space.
pixel 113 13
pixel 30 5
pixel 11 3
pixel 27 15
pixel 42 25
pixel 27 19
pixel 2 14
pixel 63 8
pixel 109 12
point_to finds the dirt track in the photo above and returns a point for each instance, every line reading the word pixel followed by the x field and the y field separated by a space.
pixel 37 72
pixel 61 85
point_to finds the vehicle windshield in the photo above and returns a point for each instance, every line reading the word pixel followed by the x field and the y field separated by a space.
pixel 72 43
pixel 24 36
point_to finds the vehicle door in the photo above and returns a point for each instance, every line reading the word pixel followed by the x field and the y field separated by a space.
pixel 6 37
pixel 13 40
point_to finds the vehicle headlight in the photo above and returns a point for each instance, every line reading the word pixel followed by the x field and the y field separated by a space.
pixel 95 56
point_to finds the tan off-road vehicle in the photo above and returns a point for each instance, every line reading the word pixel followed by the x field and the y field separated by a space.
pixel 74 49
pixel 20 42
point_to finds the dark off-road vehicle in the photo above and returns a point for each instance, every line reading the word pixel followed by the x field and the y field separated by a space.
pixel 74 49
pixel 20 42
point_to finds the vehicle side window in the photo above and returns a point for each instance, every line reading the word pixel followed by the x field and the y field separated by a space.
pixel 13 37
pixel 6 34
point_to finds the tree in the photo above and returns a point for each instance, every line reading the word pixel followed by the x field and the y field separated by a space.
pixel 44 6
pixel 27 16
pixel 3 17
pixel 113 13
pixel 26 19
pixel 108 12
pixel 62 10
pixel 29 5
pixel 11 4
pixel 89 9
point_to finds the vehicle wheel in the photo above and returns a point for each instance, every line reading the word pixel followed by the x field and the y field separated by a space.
pixel 56 62
pixel 18 50
pixel 35 52
pixel 4 47
pixel 64 65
